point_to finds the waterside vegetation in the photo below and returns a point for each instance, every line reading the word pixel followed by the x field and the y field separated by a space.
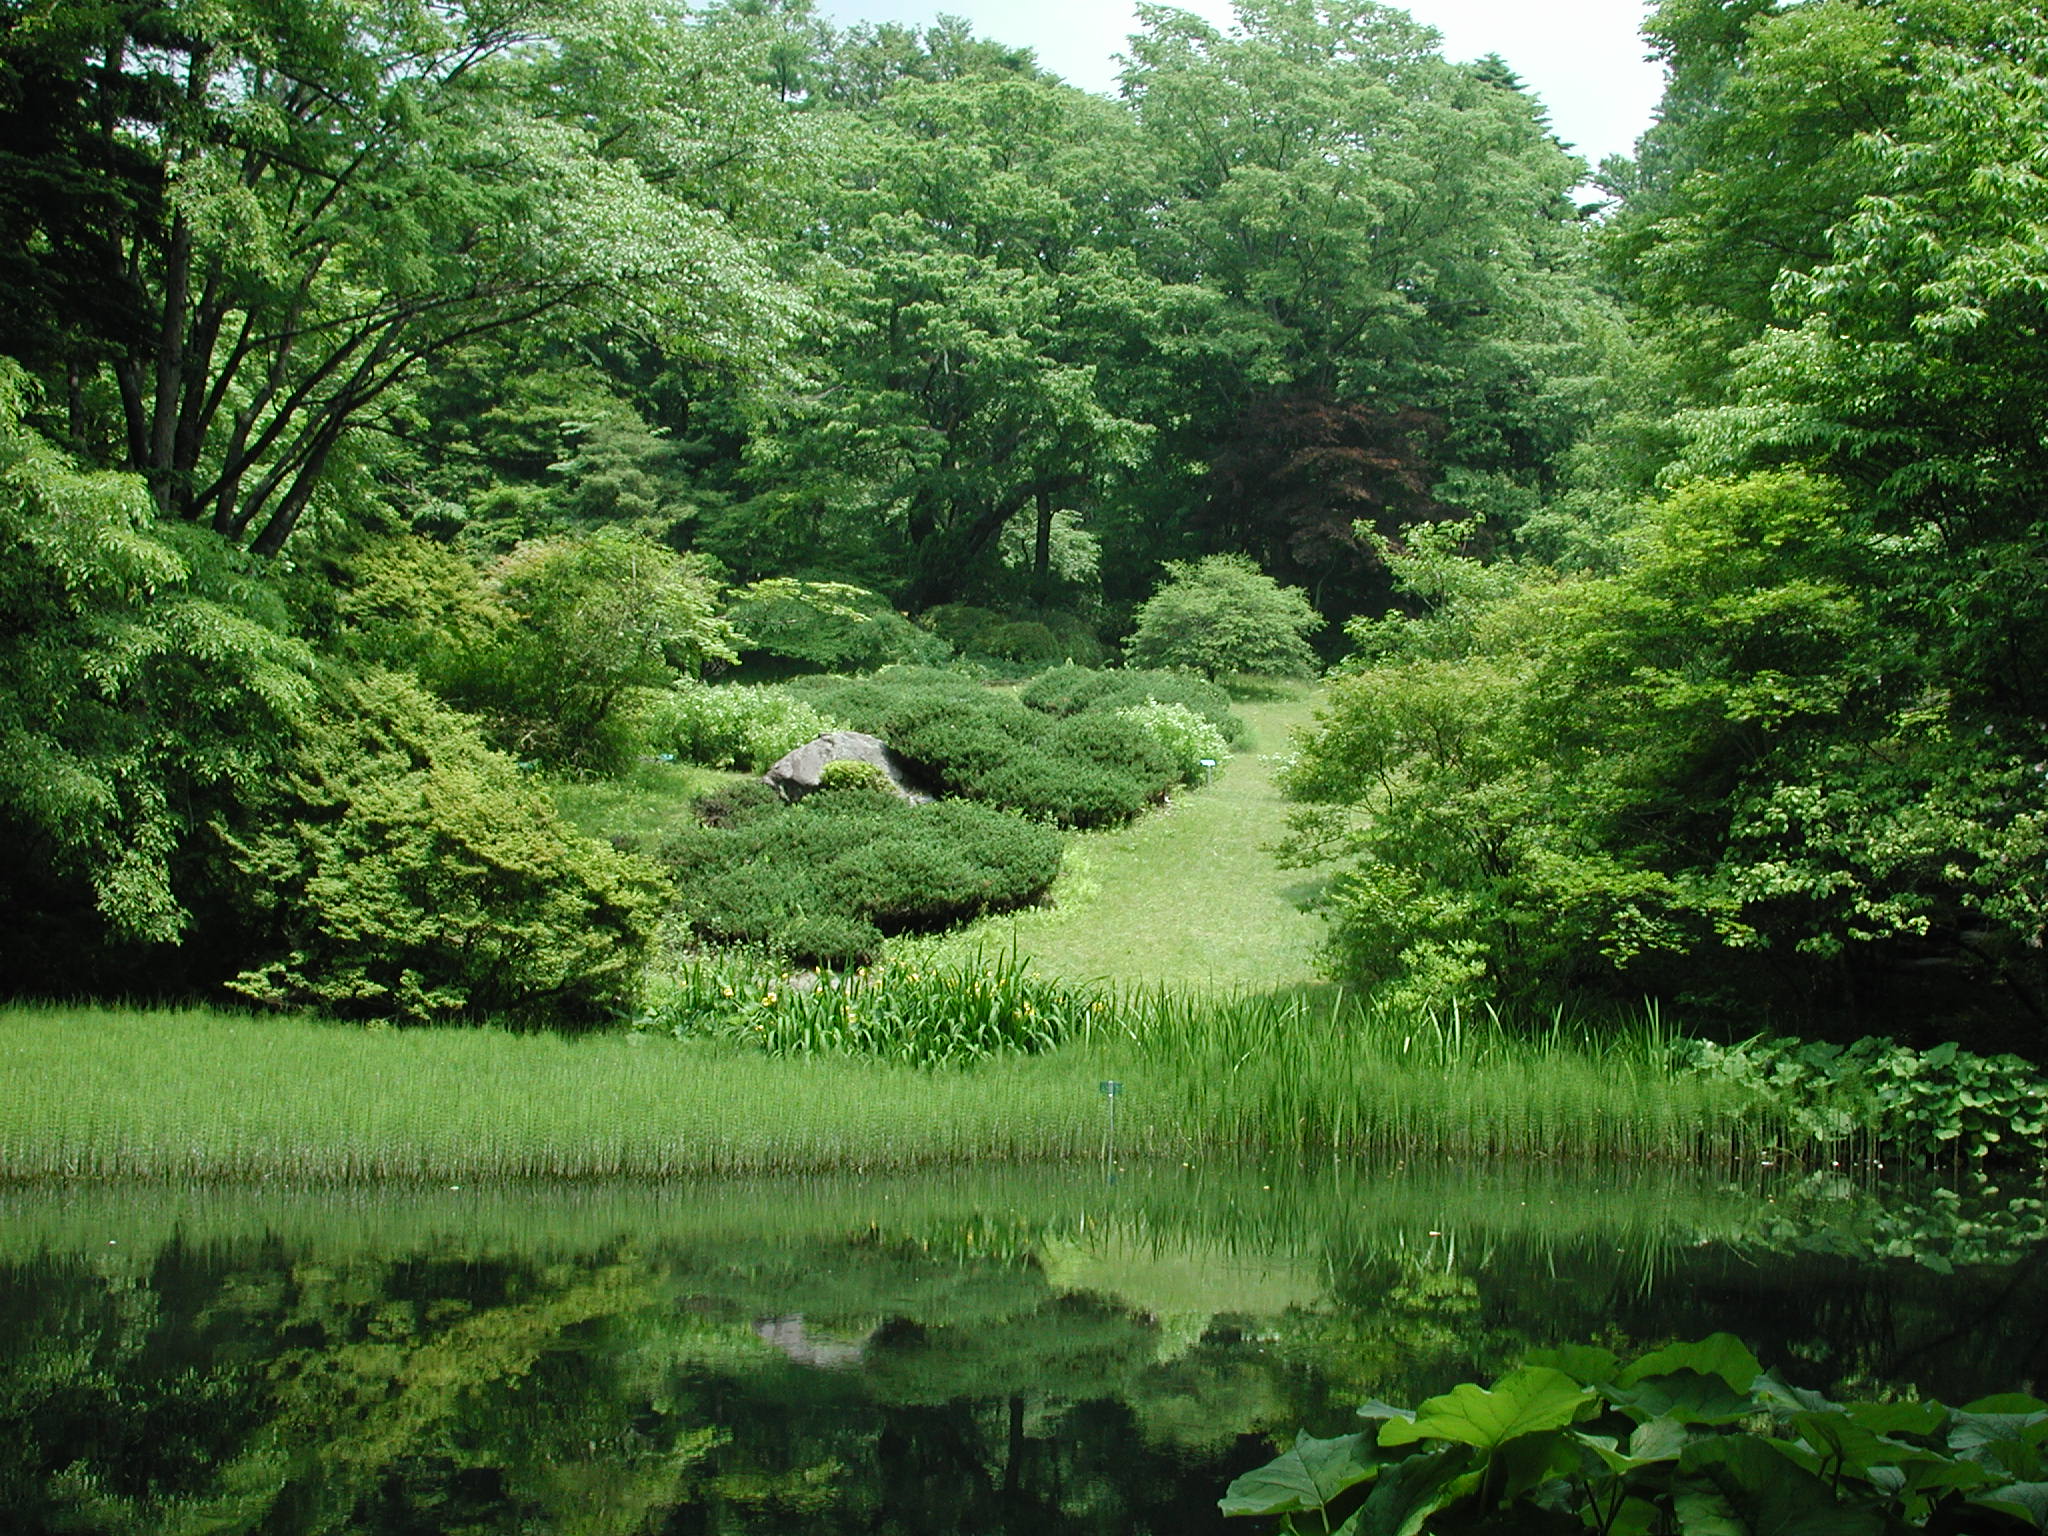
pixel 732 1075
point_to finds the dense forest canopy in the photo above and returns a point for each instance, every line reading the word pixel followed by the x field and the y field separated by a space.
pixel 389 387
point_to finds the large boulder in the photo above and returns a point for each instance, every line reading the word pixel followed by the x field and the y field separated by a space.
pixel 797 773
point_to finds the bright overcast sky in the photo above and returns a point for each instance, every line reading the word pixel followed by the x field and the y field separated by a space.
pixel 1582 57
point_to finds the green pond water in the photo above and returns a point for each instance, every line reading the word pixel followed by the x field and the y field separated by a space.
pixel 1030 1350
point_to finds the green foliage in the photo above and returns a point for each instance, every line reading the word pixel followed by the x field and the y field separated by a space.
pixel 1879 1099
pixel 593 617
pixel 1092 768
pixel 1070 690
pixel 146 678
pixel 824 880
pixel 1692 1437
pixel 852 773
pixel 827 626
pixel 744 727
pixel 945 1016
pixel 1221 615
pixel 1193 746
pixel 399 869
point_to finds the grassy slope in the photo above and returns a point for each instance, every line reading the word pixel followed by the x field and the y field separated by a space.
pixel 1188 895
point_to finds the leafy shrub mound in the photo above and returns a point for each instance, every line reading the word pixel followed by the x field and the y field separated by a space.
pixel 937 1017
pixel 1073 690
pixel 823 881
pixel 402 869
pixel 1692 1437
pixel 1091 767
pixel 1034 639
pixel 787 625
pixel 1878 1098
pixel 739 726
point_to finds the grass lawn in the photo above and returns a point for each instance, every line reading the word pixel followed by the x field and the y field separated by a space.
pixel 1185 896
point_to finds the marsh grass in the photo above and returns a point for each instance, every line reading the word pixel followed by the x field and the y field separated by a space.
pixel 94 1094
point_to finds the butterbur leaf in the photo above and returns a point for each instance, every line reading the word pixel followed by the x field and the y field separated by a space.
pixel 1759 1492
pixel 2016 1404
pixel 1657 1440
pixel 2027 1501
pixel 1774 1393
pixel 1379 1410
pixel 1533 1460
pixel 1407 1494
pixel 1919 1418
pixel 1719 1354
pixel 1303 1478
pixel 1582 1362
pixel 1841 1440
pixel 1684 1395
pixel 1523 1402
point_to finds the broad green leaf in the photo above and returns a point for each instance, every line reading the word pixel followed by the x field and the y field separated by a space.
pixel 1918 1418
pixel 1776 1394
pixel 1582 1362
pixel 1657 1440
pixel 1531 1461
pixel 1759 1492
pixel 1719 1354
pixel 2012 1404
pixel 1379 1410
pixel 2027 1501
pixel 1305 1477
pixel 1840 1439
pixel 1523 1402
pixel 1408 1493
pixel 1686 1396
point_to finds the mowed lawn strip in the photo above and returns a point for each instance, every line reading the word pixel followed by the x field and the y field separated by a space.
pixel 1187 895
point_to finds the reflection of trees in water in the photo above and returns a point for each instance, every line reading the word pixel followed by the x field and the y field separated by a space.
pixel 264 1386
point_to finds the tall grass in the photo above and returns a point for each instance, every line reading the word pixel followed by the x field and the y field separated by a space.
pixel 94 1094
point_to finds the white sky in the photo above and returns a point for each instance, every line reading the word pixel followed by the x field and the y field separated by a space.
pixel 1583 58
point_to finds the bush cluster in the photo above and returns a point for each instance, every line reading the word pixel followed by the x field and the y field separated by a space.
pixel 788 625
pixel 1074 690
pixel 1085 770
pixel 1034 639
pixel 745 727
pixel 823 881
pixel 401 869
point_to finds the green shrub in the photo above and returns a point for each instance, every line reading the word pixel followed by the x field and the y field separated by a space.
pixel 1222 614
pixel 852 773
pixel 1025 640
pixel 1074 690
pixel 594 618
pixel 824 880
pixel 1186 740
pixel 1094 767
pixel 958 623
pixel 401 869
pixel 827 626
pixel 739 726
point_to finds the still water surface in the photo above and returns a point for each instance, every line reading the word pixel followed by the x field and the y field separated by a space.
pixel 1043 1350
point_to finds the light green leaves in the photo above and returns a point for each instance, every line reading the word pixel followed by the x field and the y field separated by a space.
pixel 1306 1477
pixel 1524 1403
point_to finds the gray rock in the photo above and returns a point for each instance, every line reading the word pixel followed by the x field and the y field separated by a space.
pixel 796 773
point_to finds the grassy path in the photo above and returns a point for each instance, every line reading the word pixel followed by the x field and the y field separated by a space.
pixel 1188 895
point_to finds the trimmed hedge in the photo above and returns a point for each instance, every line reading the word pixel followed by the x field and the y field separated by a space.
pixel 823 881
pixel 1089 770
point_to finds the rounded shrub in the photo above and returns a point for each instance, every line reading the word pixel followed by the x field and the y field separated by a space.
pixel 860 857
pixel 1075 690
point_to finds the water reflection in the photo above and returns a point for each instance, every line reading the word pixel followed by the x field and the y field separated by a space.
pixel 1020 1350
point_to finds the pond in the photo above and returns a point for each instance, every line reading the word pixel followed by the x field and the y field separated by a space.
pixel 1042 1350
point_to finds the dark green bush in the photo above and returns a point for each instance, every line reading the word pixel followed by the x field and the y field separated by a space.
pixel 1091 768
pixel 824 880
pixel 1024 640
pixel 1078 690
pixel 826 626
